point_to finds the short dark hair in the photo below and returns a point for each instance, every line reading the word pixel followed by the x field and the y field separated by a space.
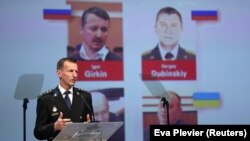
pixel 60 63
pixel 96 11
pixel 168 10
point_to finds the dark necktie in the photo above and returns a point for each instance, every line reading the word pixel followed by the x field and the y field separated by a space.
pixel 67 100
pixel 169 56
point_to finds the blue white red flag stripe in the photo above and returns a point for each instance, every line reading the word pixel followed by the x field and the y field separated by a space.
pixel 57 14
pixel 204 15
pixel 57 11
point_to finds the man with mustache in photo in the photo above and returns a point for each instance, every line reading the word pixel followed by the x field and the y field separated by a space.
pixel 95 24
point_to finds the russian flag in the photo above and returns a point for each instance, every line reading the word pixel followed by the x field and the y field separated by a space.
pixel 204 15
pixel 206 99
pixel 57 14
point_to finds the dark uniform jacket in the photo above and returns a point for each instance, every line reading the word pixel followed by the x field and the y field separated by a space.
pixel 51 103
pixel 154 54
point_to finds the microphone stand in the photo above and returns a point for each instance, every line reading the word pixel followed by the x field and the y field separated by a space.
pixel 25 101
pixel 90 109
pixel 167 112
pixel 165 102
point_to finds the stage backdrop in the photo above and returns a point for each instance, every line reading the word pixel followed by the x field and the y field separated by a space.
pixel 217 32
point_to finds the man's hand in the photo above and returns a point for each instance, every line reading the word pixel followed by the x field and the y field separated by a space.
pixel 88 119
pixel 61 123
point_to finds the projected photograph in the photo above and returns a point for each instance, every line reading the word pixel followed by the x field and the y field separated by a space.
pixel 95 40
pixel 168 109
pixel 169 59
pixel 108 105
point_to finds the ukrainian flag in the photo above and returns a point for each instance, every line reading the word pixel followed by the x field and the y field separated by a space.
pixel 206 100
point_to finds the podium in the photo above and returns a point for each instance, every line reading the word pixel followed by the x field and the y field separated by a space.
pixel 94 131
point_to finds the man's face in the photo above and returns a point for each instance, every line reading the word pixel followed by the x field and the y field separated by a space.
pixel 101 110
pixel 95 32
pixel 169 29
pixel 68 74
pixel 174 111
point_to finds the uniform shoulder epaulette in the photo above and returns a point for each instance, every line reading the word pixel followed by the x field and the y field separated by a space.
pixel 46 92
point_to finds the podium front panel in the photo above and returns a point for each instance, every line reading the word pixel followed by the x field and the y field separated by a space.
pixel 95 131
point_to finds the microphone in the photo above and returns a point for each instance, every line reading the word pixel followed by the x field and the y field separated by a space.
pixel 164 100
pixel 92 114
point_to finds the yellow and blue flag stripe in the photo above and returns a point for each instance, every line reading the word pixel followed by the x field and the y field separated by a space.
pixel 206 100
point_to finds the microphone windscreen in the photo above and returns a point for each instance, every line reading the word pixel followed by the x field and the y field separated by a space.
pixel 163 99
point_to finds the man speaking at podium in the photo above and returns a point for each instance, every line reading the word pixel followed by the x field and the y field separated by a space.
pixel 62 105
